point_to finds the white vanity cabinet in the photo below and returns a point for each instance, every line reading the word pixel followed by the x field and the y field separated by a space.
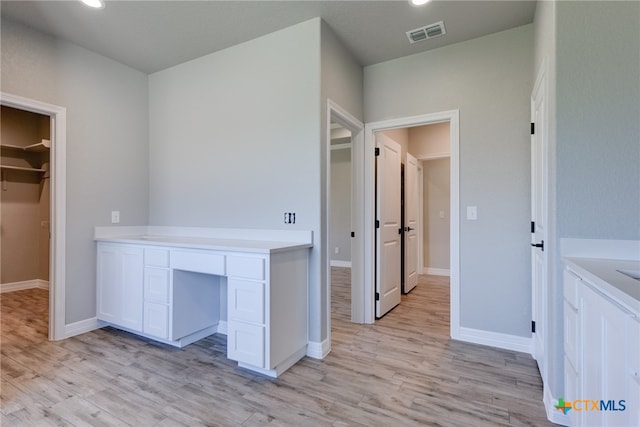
pixel 175 293
pixel 602 355
pixel 120 285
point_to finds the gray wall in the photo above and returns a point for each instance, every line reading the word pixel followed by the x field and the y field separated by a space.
pixel 436 186
pixel 598 120
pixel 234 140
pixel 107 141
pixel 340 205
pixel 489 80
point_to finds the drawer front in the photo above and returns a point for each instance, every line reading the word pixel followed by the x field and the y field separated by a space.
pixel 571 336
pixel 247 267
pixel 156 320
pixel 156 285
pixel 245 343
pixel 156 257
pixel 571 283
pixel 198 261
pixel 246 301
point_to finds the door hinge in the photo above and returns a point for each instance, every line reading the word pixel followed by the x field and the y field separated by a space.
pixel 533 128
pixel 399 230
pixel 353 234
pixel 377 223
pixel 377 296
pixel 533 326
pixel 533 226
pixel 377 151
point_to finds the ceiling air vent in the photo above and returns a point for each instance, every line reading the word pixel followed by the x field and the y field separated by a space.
pixel 428 32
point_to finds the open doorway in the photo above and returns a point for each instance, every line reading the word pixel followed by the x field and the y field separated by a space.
pixel 54 187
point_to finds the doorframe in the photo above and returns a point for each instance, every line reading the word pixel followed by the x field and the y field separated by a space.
pixel 368 218
pixel 335 113
pixel 58 186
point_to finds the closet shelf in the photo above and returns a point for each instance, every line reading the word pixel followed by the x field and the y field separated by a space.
pixel 19 168
pixel 40 147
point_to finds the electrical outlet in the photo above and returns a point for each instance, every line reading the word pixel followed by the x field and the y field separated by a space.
pixel 472 213
pixel 289 217
pixel 115 217
pixel 337 250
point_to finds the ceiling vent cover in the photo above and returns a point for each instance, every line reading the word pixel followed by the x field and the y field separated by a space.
pixel 425 33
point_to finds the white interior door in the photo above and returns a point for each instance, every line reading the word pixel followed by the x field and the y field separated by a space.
pixel 539 220
pixel 411 198
pixel 388 224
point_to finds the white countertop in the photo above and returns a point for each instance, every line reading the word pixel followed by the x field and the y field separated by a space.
pixel 236 245
pixel 256 241
pixel 604 274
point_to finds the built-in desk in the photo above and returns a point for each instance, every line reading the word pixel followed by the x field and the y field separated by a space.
pixel 179 285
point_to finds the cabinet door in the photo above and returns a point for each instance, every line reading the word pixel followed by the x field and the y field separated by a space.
pixel 119 285
pixel 246 343
pixel 245 301
pixel 156 319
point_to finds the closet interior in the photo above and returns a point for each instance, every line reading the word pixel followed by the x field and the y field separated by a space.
pixel 24 199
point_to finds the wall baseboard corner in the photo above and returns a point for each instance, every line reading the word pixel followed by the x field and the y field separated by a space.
pixel 338 263
pixel 81 327
pixel 553 415
pixel 318 350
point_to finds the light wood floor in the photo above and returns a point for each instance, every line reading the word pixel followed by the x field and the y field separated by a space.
pixel 402 371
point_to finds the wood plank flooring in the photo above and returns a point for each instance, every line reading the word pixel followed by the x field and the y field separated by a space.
pixel 402 371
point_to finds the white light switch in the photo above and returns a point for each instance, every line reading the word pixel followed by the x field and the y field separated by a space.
pixel 472 213
pixel 115 217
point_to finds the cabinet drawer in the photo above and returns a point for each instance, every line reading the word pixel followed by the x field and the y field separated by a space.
pixel 156 285
pixel 247 267
pixel 571 284
pixel 156 320
pixel 245 301
pixel 245 343
pixel 156 257
pixel 571 335
pixel 199 262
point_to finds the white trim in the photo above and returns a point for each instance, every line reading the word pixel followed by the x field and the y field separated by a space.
pixel 82 327
pixel 58 215
pixel 339 263
pixel 318 350
pixel 495 339
pixel 436 271
pixel 453 117
pixel 341 146
pixel 550 403
pixel 434 156
pixel 25 284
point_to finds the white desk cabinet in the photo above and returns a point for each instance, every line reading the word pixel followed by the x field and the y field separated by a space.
pixel 172 294
pixel 602 356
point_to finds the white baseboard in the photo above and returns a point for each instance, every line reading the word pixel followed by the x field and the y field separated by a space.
pixel 338 263
pixel 82 326
pixel 436 271
pixel 25 284
pixel 318 350
pixel 222 327
pixel 553 415
pixel 495 339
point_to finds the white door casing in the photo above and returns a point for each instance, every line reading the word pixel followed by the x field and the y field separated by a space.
pixel 388 225
pixel 539 261
pixel 411 198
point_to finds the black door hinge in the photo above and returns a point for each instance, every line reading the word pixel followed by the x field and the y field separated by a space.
pixel 377 223
pixel 533 128
pixel 377 296
pixel 353 234
pixel 377 152
pixel 533 326
pixel 533 226
pixel 399 230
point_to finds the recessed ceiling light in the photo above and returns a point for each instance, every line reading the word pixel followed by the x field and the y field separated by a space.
pixel 418 2
pixel 96 4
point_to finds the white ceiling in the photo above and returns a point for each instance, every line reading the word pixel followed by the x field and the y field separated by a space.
pixel 151 35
